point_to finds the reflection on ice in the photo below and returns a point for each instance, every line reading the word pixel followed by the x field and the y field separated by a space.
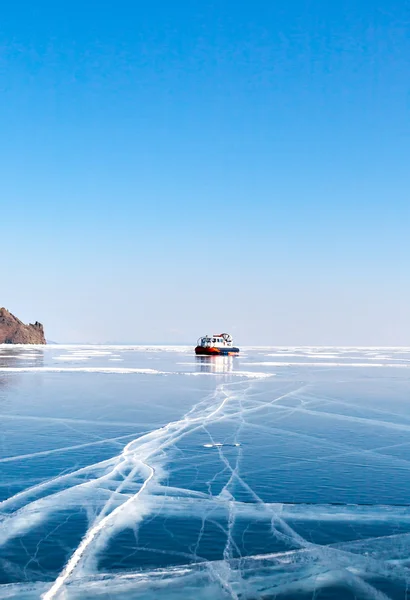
pixel 214 364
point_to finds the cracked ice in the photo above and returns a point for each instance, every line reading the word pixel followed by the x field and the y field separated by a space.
pixel 284 478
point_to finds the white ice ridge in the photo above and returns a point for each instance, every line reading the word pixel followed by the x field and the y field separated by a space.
pixel 121 370
pixel 326 364
pixel 132 371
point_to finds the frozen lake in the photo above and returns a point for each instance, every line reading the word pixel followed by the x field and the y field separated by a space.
pixel 144 472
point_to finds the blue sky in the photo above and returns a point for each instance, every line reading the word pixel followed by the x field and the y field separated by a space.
pixel 170 169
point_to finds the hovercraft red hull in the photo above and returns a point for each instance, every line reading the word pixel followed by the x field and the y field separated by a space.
pixel 212 351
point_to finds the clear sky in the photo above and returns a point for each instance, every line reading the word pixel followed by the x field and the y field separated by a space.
pixel 169 169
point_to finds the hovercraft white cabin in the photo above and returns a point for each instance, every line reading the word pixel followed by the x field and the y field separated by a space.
pixel 220 344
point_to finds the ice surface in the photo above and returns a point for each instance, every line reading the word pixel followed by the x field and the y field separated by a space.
pixel 264 479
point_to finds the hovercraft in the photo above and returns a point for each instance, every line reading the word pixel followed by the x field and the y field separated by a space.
pixel 220 344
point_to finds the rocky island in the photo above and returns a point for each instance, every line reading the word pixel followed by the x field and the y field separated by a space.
pixel 14 331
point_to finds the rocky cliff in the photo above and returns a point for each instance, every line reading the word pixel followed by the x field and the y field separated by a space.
pixel 13 331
